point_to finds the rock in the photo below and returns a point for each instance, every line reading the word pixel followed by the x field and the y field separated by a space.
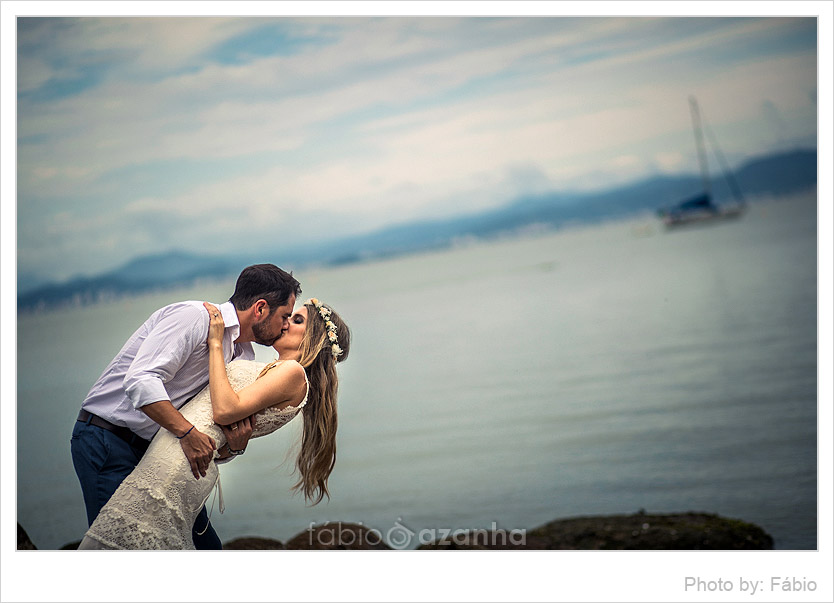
pixel 641 531
pixel 253 543
pixel 23 541
pixel 338 535
pixel 486 540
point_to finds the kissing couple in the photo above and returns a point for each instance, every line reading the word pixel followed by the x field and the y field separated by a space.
pixel 184 394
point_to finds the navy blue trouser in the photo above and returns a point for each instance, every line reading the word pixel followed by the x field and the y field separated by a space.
pixel 102 460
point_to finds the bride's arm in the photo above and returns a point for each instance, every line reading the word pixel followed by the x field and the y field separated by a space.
pixel 284 385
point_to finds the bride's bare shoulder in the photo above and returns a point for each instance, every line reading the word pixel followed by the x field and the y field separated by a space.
pixel 286 367
pixel 288 378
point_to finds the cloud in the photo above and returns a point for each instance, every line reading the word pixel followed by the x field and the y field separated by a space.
pixel 274 123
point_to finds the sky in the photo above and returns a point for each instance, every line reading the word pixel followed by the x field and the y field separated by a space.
pixel 137 135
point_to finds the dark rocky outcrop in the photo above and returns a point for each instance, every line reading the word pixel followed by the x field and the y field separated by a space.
pixel 640 531
pixel 23 541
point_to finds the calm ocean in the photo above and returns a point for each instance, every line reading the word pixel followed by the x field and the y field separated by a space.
pixel 594 370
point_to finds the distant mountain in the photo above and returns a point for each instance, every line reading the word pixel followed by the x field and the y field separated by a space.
pixel 30 282
pixel 173 267
pixel 773 175
pixel 141 274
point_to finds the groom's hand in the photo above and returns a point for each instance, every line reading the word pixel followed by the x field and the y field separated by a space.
pixel 197 446
pixel 199 450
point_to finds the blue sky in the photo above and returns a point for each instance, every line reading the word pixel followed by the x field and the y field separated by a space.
pixel 142 134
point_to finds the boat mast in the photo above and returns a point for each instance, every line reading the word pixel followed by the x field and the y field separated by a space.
pixel 699 143
pixel 728 173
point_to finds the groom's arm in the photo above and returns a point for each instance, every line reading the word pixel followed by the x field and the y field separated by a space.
pixel 164 351
pixel 197 446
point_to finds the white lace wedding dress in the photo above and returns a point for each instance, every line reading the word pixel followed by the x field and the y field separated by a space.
pixel 156 505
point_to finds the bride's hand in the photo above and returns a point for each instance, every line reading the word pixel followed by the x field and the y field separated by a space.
pixel 216 325
pixel 238 433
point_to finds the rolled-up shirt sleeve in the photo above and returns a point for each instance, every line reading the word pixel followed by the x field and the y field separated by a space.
pixel 168 344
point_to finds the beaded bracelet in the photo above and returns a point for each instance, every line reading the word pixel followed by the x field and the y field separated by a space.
pixel 234 452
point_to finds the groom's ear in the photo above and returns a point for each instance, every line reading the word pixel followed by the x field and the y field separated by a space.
pixel 260 309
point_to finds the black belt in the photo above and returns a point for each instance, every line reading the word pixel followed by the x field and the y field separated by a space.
pixel 122 432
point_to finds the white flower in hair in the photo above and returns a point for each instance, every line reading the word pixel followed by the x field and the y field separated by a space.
pixel 328 324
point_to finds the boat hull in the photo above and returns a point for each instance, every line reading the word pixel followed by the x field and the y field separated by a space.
pixel 699 217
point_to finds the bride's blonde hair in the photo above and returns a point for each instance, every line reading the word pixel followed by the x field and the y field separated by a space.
pixel 318 442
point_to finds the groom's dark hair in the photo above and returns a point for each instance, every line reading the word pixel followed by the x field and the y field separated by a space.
pixel 264 281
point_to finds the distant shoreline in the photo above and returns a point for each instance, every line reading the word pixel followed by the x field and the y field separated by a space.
pixel 786 173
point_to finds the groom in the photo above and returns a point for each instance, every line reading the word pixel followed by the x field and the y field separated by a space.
pixel 162 366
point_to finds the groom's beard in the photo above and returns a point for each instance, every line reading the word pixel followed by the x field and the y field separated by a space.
pixel 264 336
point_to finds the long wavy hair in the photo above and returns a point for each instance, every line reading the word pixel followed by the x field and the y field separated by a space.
pixel 317 456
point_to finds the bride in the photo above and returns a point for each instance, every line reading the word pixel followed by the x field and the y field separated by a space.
pixel 156 505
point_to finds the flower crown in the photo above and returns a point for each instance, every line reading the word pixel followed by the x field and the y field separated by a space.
pixel 331 328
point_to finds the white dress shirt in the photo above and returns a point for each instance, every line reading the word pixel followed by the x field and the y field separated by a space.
pixel 165 359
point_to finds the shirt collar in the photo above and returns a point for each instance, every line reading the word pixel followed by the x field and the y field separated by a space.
pixel 229 314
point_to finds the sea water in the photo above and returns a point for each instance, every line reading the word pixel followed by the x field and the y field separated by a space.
pixel 593 370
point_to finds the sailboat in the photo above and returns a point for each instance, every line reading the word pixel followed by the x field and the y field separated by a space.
pixel 701 207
